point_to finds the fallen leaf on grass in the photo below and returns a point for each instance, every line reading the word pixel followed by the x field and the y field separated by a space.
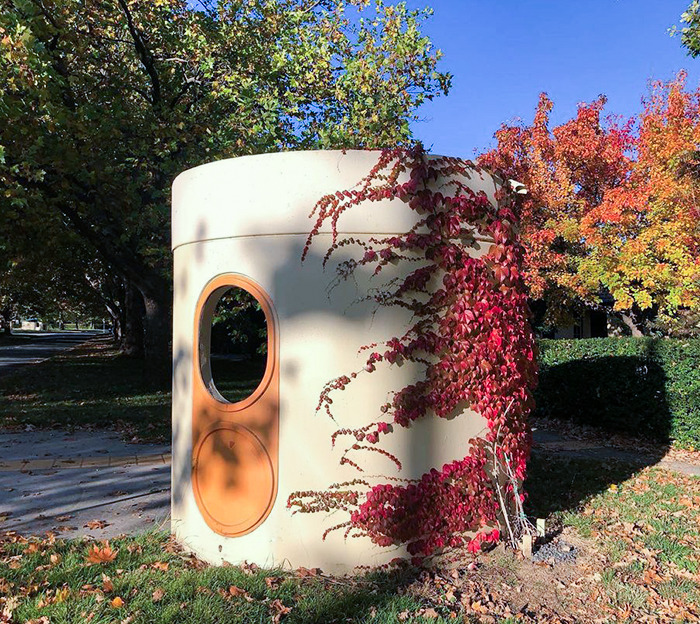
pixel 249 568
pixel 429 613
pixel 272 582
pixel 278 610
pixel 107 585
pixel 8 608
pixel 478 607
pixel 105 554
pixel 55 558
pixel 160 565
pixel 158 595
pixel 235 592
pixel 117 602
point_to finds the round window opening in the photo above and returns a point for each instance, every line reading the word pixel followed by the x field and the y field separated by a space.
pixel 234 344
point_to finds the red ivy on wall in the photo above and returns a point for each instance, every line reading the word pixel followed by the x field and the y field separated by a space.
pixel 471 335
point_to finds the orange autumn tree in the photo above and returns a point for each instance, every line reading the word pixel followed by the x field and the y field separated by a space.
pixel 644 237
pixel 567 170
pixel 612 211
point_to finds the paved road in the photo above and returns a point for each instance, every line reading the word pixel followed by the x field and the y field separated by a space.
pixel 32 347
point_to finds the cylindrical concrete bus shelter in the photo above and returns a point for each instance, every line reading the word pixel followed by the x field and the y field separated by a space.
pixel 242 223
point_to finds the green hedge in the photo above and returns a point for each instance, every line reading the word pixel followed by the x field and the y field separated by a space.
pixel 644 386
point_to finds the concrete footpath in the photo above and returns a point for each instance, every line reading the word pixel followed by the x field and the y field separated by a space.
pixel 83 483
pixel 550 442
pixel 92 483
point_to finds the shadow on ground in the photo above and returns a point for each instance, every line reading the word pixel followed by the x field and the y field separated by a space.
pixel 618 394
pixel 90 386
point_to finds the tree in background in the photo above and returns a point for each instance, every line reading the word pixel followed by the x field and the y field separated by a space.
pixel 690 32
pixel 46 271
pixel 612 209
pixel 103 104
pixel 645 236
pixel 567 171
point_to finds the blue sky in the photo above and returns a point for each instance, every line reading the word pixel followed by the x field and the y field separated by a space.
pixel 503 53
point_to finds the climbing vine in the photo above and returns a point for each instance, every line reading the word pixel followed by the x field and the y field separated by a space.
pixel 470 335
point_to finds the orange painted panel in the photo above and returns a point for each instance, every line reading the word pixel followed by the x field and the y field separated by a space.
pixel 235 446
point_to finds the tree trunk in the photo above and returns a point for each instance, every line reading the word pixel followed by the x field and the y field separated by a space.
pixel 132 330
pixel 633 327
pixel 6 322
pixel 157 341
pixel 117 331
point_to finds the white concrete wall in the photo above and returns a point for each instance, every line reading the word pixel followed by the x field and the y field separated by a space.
pixel 250 216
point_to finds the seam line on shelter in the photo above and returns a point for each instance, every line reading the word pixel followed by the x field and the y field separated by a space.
pixel 482 239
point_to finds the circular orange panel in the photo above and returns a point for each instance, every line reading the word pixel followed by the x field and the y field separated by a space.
pixel 234 479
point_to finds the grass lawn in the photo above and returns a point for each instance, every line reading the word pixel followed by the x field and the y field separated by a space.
pixel 95 386
pixel 90 386
pixel 637 541
pixel 148 580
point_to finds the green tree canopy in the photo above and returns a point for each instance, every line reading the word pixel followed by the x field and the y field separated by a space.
pixel 103 103
pixel 690 31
